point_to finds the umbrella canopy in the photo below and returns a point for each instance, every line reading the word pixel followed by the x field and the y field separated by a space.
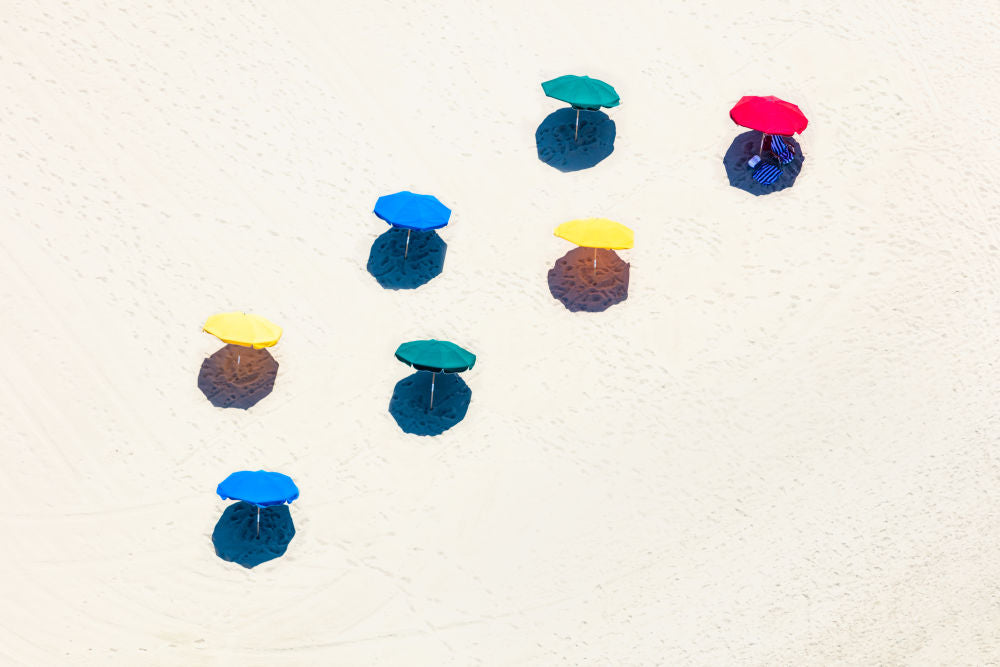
pixel 259 487
pixel 437 356
pixel 412 211
pixel 769 115
pixel 243 329
pixel 596 233
pixel 582 92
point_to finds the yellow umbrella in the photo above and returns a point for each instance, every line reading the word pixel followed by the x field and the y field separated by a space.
pixel 242 329
pixel 596 233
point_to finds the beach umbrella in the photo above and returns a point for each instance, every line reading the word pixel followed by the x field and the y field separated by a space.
pixel 581 92
pixel 260 488
pixel 436 356
pixel 243 329
pixel 412 212
pixel 596 233
pixel 768 115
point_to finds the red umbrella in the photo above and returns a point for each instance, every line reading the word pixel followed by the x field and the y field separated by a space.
pixel 770 115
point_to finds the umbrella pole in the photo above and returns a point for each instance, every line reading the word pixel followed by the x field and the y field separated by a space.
pixel 433 375
pixel 576 132
pixel 595 261
pixel 407 250
pixel 762 136
pixel 258 521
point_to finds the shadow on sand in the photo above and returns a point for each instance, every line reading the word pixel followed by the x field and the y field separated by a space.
pixel 411 398
pixel 423 262
pixel 235 535
pixel 574 283
pixel 748 144
pixel 557 148
pixel 227 384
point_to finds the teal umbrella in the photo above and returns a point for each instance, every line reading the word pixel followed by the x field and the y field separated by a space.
pixel 436 356
pixel 582 92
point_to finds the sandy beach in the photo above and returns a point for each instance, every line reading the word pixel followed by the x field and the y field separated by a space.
pixel 777 447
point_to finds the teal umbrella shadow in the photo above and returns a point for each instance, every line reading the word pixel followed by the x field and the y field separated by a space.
pixel 235 535
pixel 557 147
pixel 410 403
pixel 395 266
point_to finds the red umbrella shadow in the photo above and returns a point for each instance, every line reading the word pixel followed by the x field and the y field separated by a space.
pixel 410 403
pixel 557 147
pixel 237 377
pixel 398 266
pixel 746 146
pixel 235 536
pixel 574 282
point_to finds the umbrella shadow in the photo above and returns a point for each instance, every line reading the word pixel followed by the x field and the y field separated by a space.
pixel 747 145
pixel 558 149
pixel 235 535
pixel 574 283
pixel 424 261
pixel 228 384
pixel 411 398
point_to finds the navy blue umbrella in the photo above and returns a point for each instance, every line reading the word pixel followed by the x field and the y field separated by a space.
pixel 260 488
pixel 412 212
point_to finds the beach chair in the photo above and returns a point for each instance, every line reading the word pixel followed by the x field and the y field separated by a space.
pixel 782 151
pixel 766 174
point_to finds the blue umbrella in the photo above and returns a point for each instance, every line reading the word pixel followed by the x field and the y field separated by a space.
pixel 410 211
pixel 260 488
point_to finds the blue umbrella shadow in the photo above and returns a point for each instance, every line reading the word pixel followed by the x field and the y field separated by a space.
pixel 423 262
pixel 557 148
pixel 228 384
pixel 411 398
pixel 575 284
pixel 235 535
pixel 747 145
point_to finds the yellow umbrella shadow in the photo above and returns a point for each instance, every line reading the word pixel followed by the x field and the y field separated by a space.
pixel 592 277
pixel 243 372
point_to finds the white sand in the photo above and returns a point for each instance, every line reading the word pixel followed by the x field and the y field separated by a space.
pixel 779 450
